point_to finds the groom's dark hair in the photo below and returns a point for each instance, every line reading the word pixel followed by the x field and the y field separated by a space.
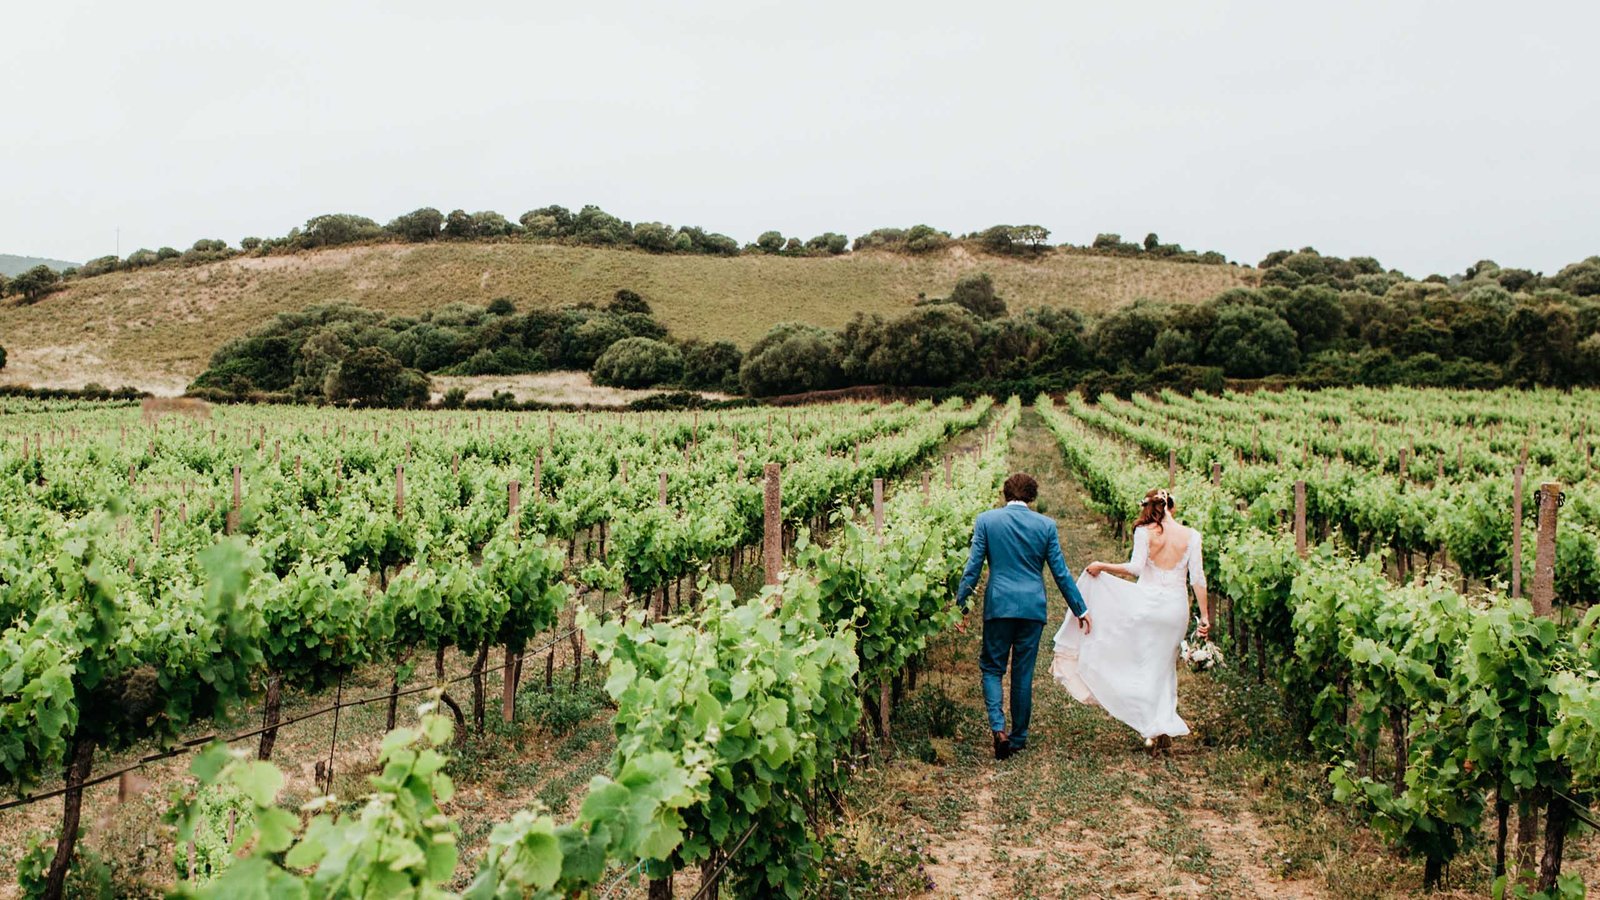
pixel 1021 486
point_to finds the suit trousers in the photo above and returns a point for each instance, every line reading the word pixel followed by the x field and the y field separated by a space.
pixel 1016 641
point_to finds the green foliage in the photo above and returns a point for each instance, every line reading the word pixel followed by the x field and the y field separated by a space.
pixel 423 224
pixel 332 229
pixel 638 362
pixel 371 376
pixel 710 366
pixel 792 358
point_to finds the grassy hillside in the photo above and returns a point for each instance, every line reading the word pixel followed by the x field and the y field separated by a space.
pixel 156 328
pixel 16 265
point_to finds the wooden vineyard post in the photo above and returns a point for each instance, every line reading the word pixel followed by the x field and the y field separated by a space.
pixel 1216 474
pixel 661 490
pixel 399 491
pixel 508 675
pixel 233 511
pixel 1558 810
pixel 1172 469
pixel 772 522
pixel 1547 500
pixel 1403 460
pixel 1516 532
pixel 1300 518
pixel 622 471
pixel 927 487
pixel 155 526
pixel 538 472
pixel 877 507
pixel 949 482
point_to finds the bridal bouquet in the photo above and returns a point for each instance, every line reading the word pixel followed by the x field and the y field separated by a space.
pixel 1201 656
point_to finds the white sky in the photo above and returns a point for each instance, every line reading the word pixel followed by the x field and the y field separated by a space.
pixel 1428 134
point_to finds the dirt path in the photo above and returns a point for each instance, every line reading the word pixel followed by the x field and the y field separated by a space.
pixel 1085 811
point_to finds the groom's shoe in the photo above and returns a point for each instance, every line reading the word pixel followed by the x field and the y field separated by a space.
pixel 1002 745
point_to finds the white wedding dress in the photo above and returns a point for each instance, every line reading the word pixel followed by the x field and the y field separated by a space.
pixel 1128 663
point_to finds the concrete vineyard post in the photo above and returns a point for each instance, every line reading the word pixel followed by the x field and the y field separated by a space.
pixel 1516 532
pixel 772 522
pixel 1544 554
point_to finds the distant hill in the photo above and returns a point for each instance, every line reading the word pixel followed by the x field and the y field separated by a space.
pixel 14 265
pixel 155 328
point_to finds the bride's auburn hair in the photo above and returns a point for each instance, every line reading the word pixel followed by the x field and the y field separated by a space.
pixel 1157 503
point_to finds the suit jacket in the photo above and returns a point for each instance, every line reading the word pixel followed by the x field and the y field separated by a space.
pixel 1017 543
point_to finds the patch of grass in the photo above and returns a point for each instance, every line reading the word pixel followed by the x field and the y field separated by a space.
pixel 862 861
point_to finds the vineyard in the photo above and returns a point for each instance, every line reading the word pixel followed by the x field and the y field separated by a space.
pixel 754 593
pixel 1372 561
pixel 162 574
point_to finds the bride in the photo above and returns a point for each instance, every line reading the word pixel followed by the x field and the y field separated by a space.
pixel 1129 663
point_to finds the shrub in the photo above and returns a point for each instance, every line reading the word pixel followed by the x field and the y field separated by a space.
pixel 828 242
pixel 792 358
pixel 34 283
pixel 1253 342
pixel 975 294
pixel 638 362
pixel 332 229
pixel 711 366
pixel 418 225
pixel 770 242
pixel 166 253
pixel 625 301
pixel 371 376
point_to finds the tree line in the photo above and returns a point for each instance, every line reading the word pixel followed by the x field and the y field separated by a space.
pixel 1313 320
pixel 589 226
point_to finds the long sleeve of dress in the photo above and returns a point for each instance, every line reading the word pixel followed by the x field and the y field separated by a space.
pixel 1141 551
pixel 1197 563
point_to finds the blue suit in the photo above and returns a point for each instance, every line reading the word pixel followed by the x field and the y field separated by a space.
pixel 1018 544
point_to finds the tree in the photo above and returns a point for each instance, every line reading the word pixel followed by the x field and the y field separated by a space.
pixel 1123 338
pixel 458 224
pixel 501 306
pixel 1581 279
pixel 419 225
pixel 711 366
pixel 975 293
pixel 593 225
pixel 996 239
pixel 332 229
pixel 931 345
pixel 794 246
pixel 1316 315
pixel 925 239
pixel 625 301
pixel 792 357
pixel 828 242
pixel 770 242
pixel 166 253
pixel 1544 345
pixel 654 236
pixel 548 221
pixel 638 362
pixel 1151 241
pixel 371 376
pixel 35 283
pixel 1253 342
pixel 250 243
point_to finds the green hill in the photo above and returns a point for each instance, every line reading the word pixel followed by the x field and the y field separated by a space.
pixel 155 328
pixel 15 265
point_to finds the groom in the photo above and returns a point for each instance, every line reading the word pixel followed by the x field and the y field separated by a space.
pixel 1017 543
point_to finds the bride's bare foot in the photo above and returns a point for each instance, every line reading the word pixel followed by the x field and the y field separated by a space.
pixel 1150 747
pixel 1164 744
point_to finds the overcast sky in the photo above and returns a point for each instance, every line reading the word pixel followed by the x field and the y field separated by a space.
pixel 1427 134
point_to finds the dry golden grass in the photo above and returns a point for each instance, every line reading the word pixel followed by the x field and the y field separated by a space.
pixel 156 328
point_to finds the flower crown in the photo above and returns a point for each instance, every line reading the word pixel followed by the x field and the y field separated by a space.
pixel 1161 497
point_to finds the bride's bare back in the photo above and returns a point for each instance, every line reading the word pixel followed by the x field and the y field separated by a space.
pixel 1168 543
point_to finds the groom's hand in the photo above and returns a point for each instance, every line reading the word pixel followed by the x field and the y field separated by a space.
pixel 1084 624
